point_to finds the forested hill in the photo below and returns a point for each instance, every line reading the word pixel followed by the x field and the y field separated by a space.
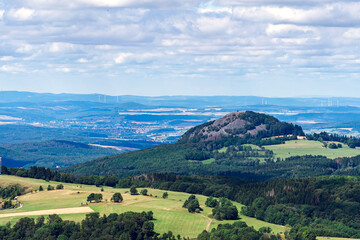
pixel 240 124
pixel 241 156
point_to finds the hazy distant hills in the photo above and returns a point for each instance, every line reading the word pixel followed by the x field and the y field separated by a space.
pixel 50 153
pixel 179 101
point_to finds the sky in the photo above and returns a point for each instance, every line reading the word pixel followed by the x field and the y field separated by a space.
pixel 274 48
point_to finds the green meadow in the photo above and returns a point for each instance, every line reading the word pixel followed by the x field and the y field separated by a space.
pixel 168 213
pixel 306 147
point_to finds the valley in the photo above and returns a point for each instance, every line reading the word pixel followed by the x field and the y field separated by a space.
pixel 299 185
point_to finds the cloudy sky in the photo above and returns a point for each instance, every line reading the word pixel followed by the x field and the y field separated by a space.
pixel 181 47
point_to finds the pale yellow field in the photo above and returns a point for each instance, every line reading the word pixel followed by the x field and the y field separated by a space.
pixel 73 210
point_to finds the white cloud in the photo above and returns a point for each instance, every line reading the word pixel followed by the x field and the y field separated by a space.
pixel 63 69
pixel 60 47
pixel 211 25
pixel 112 3
pixel 12 68
pixel 83 60
pixel 7 58
pixel 335 14
pixel 21 14
pixel 352 33
pixel 122 57
pixel 179 39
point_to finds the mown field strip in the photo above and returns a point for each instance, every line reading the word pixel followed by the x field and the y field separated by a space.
pixel 72 210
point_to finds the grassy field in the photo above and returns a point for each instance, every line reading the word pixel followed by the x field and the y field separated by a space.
pixel 306 147
pixel 168 213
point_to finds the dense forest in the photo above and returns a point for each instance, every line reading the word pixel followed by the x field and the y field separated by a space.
pixel 127 225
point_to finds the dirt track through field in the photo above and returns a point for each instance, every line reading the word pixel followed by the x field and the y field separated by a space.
pixel 49 212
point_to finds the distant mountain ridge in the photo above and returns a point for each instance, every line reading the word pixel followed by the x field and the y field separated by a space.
pixel 179 100
pixel 240 124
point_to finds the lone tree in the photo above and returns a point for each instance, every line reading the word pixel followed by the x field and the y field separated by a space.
pixel 49 188
pixel 165 195
pixel 133 191
pixel 97 197
pixel 60 186
pixel 117 198
pixel 144 192
pixel 41 188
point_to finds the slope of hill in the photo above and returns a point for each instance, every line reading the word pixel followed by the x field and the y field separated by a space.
pixel 50 153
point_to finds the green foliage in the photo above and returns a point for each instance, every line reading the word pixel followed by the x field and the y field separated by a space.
pixel 97 197
pixel 128 225
pixel 117 198
pixel 192 204
pixel 211 202
pixel 238 230
pixel 165 195
pixel 332 146
pixel 50 188
pixel 225 210
pixel 60 186
pixel 133 191
pixel 7 204
pixel 41 188
pixel 144 192
pixel 10 192
pixel 352 142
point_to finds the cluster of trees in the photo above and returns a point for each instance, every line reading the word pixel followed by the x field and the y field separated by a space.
pixel 127 225
pixel 117 198
pixel 240 231
pixel 9 193
pixel 333 145
pixel 133 191
pixel 223 209
pixel 192 204
pixel 96 197
pixel 351 141
pixel 50 187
